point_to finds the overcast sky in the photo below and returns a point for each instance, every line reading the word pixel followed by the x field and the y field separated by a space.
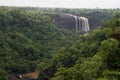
pixel 63 3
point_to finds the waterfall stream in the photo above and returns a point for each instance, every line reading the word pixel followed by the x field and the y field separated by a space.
pixel 85 24
pixel 81 23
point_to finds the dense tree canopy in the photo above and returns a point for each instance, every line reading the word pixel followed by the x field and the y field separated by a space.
pixel 30 42
pixel 27 38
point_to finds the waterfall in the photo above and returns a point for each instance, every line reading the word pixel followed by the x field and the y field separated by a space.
pixel 76 23
pixel 81 23
pixel 85 24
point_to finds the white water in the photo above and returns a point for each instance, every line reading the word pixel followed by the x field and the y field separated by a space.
pixel 85 24
pixel 81 23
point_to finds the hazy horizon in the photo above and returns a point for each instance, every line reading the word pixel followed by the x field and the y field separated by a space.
pixel 62 3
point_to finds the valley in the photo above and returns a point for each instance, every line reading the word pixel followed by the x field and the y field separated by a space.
pixel 59 44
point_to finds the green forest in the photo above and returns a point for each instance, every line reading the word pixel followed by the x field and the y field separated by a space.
pixel 30 42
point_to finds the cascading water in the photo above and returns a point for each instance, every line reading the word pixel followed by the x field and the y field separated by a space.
pixel 78 23
pixel 81 23
pixel 85 24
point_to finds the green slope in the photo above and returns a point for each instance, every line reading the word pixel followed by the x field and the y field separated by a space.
pixel 93 56
pixel 27 38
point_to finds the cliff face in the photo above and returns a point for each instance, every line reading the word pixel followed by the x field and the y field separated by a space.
pixel 72 22
pixel 63 21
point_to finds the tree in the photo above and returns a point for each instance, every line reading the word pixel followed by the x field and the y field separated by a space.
pixel 3 75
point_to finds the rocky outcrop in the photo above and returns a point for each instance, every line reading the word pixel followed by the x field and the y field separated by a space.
pixel 72 22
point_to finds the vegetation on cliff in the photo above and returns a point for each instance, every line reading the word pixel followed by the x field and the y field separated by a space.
pixel 30 42
pixel 94 56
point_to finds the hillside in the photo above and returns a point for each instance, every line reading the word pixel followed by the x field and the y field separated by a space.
pixel 32 45
pixel 27 38
pixel 93 56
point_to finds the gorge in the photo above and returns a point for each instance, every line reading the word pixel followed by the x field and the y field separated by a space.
pixel 59 44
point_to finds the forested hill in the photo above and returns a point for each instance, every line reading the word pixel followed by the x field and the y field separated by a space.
pixel 27 38
pixel 31 43
pixel 93 56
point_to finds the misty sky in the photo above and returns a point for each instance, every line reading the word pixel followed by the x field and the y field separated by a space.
pixel 63 3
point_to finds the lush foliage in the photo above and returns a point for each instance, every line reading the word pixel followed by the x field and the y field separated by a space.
pixel 29 42
pixel 103 55
pixel 26 39
pixel 93 56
